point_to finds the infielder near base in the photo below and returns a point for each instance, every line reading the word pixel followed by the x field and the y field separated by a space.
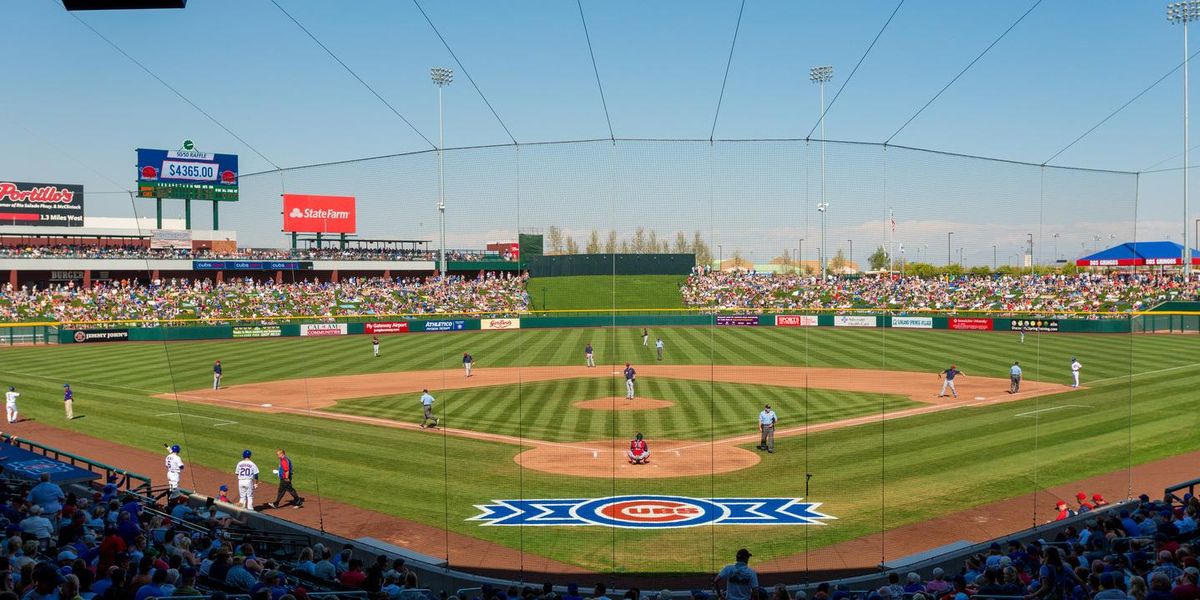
pixel 1075 367
pixel 947 378
pixel 247 478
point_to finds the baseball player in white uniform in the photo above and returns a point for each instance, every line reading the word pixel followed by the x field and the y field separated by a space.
pixel 375 346
pixel 1075 367
pixel 10 403
pixel 247 478
pixel 174 466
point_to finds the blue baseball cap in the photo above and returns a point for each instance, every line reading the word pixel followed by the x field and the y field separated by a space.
pixel 245 454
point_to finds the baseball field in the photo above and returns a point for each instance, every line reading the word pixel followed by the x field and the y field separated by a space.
pixel 857 407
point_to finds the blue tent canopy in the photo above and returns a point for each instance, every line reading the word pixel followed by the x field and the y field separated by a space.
pixel 1136 254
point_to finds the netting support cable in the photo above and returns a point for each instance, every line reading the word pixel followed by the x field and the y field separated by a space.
pixel 173 90
pixel 464 70
pixel 351 72
pixel 855 69
pixel 965 69
pixel 728 64
pixel 596 70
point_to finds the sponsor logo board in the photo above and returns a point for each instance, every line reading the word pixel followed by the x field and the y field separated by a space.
pixel 319 214
pixel 912 322
pixel 41 204
pixel 323 329
pixel 737 320
pixel 386 327
pixel 499 323
pixel 1042 325
pixel 795 320
pixel 257 331
pixel 970 324
pixel 651 512
pixel 187 174
pixel 855 321
pixel 84 336
pixel 455 325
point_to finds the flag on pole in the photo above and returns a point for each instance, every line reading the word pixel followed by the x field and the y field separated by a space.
pixel 893 216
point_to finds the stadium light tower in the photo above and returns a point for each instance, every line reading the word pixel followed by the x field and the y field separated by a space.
pixel 820 76
pixel 822 208
pixel 1185 12
pixel 441 78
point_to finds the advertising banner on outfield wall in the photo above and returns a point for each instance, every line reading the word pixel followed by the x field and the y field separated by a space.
pixel 1042 325
pixel 970 324
pixel 100 335
pixel 455 325
pixel 795 320
pixel 737 320
pixel 500 324
pixel 912 322
pixel 855 321
pixel 257 331
pixel 41 204
pixel 323 329
pixel 386 327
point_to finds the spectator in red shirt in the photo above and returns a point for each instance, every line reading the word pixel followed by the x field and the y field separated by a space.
pixel 1063 511
pixel 354 577
pixel 1186 588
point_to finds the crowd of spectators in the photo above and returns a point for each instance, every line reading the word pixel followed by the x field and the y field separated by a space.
pixel 142 252
pixel 247 299
pixel 1043 293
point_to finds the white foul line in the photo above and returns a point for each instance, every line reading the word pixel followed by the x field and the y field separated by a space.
pixel 222 423
pixel 1042 410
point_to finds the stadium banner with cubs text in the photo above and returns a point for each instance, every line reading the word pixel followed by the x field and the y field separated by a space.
pixel 970 324
pixel 912 322
pixel 499 324
pixel 386 327
pixel 257 331
pixel 795 320
pixel 737 320
pixel 1039 325
pixel 187 174
pixel 41 204
pixel 304 213
pixel 85 336
pixel 323 329
pixel 855 321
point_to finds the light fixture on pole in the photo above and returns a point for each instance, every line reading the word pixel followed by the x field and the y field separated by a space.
pixel 1185 12
pixel 822 208
pixel 820 76
pixel 949 260
pixel 1055 257
pixel 441 78
pixel 1031 263
pixel 800 256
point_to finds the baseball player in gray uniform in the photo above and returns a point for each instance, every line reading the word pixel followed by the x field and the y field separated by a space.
pixel 630 375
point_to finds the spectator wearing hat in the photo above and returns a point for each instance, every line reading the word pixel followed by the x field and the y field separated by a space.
pixel 1084 505
pixel 1063 510
pixel 738 578
pixel 1098 500
pixel 391 585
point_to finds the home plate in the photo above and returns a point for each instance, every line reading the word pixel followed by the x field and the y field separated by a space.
pixel 267 405
pixel 980 398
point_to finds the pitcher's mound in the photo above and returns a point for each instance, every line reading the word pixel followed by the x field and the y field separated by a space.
pixel 623 403
pixel 608 459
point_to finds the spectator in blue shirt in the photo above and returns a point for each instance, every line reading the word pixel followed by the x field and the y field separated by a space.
pixel 238 577
pixel 739 579
pixel 47 495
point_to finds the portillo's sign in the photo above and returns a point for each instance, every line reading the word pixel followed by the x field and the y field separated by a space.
pixel 41 204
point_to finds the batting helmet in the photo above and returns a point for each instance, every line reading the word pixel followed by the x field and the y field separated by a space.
pixel 12 389
pixel 638 436
pixel 175 448
pixel 67 385
pixel 245 454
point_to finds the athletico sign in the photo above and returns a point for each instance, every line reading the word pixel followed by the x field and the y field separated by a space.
pixel 795 320
pixel 499 323
pixel 456 325
pixel 323 329
pixel 651 512
pixel 386 327
pixel 41 204
pixel 318 214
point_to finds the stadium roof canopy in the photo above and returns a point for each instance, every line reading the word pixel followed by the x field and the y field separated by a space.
pixel 1138 254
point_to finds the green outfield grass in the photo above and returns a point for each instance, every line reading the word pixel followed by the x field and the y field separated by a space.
pixel 1139 407
pixel 543 410
pixel 577 292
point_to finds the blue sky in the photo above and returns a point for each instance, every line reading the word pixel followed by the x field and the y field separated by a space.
pixel 76 109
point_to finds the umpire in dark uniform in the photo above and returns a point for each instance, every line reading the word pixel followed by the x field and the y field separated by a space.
pixel 285 473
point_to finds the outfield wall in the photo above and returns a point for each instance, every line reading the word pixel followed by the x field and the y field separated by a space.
pixel 380 327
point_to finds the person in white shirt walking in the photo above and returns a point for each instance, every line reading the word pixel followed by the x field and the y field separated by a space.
pixel 174 467
pixel 247 478
pixel 1075 367
pixel 766 427
pixel 427 406
pixel 10 403
pixel 658 347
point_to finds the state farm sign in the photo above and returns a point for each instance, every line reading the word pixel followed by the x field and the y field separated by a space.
pixel 303 213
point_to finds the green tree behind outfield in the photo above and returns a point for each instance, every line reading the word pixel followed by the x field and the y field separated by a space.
pixel 838 262
pixel 572 247
pixel 593 243
pixel 878 259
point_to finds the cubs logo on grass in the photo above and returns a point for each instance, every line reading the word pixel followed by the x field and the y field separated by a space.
pixel 651 512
